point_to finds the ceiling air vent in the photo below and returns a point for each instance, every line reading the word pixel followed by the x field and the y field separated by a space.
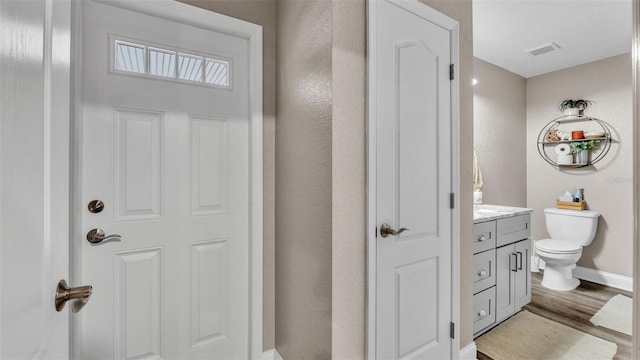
pixel 544 49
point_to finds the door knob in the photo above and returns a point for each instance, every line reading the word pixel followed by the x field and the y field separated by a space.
pixel 64 293
pixel 386 230
pixel 96 236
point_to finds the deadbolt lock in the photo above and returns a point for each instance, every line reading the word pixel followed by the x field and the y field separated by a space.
pixel 95 206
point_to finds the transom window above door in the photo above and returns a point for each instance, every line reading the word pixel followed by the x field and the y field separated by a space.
pixel 163 62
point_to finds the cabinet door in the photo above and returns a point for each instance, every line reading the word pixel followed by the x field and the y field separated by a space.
pixel 522 286
pixel 505 275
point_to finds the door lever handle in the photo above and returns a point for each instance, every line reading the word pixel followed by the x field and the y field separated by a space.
pixel 96 236
pixel 64 293
pixel 386 230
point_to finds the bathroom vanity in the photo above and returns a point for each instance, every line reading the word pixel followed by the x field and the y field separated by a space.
pixel 502 253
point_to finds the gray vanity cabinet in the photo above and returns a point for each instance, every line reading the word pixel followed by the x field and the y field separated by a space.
pixel 513 278
pixel 522 282
pixel 502 277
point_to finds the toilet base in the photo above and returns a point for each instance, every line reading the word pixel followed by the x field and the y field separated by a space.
pixel 560 279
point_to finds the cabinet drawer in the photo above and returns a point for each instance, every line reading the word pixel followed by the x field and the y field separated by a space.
pixel 484 309
pixel 484 270
pixel 513 229
pixel 484 236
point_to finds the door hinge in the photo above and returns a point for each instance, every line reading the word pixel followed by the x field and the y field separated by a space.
pixel 452 200
pixel 451 77
pixel 452 330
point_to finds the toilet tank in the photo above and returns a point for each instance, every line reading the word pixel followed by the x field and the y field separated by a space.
pixel 572 225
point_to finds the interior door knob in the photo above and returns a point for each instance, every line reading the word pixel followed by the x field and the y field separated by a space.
pixel 386 230
pixel 96 236
pixel 64 293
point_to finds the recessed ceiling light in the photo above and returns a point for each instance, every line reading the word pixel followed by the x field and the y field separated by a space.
pixel 474 81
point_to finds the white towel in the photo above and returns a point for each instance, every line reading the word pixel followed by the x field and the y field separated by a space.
pixel 477 174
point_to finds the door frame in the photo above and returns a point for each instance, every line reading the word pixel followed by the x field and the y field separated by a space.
pixel 635 64
pixel 208 20
pixel 447 23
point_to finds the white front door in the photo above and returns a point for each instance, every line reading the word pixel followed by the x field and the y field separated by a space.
pixel 411 126
pixel 34 177
pixel 165 129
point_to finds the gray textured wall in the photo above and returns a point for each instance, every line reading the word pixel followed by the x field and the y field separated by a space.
pixel 500 133
pixel 608 185
pixel 303 180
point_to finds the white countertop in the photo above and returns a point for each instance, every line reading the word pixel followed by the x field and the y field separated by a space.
pixel 487 212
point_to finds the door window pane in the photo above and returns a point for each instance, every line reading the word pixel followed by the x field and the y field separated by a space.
pixel 130 57
pixel 189 67
pixel 166 62
pixel 162 63
pixel 217 72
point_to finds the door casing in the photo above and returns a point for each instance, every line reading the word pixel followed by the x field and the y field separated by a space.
pixel 415 7
pixel 635 63
pixel 205 19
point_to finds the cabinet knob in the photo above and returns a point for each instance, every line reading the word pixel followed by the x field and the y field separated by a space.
pixel 482 238
pixel 482 273
pixel 482 313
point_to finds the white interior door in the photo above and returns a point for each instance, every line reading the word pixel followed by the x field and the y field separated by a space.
pixel 411 110
pixel 165 145
pixel 34 177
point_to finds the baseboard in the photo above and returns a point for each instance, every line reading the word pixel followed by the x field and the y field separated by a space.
pixel 271 355
pixel 602 277
pixel 469 352
pixel 276 355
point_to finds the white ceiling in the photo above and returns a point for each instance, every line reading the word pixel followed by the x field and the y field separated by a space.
pixel 586 31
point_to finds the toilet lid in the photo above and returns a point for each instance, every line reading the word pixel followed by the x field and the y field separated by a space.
pixel 558 247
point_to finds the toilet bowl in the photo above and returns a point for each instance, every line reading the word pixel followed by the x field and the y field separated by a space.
pixel 559 263
pixel 570 231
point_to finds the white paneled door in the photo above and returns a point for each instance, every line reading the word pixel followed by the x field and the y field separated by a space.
pixel 34 177
pixel 411 119
pixel 165 125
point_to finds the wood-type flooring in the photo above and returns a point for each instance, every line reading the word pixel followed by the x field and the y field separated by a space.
pixel 575 308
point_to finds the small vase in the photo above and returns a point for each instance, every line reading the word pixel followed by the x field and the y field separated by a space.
pixel 582 157
pixel 572 112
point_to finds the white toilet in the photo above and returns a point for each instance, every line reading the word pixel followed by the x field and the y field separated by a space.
pixel 570 230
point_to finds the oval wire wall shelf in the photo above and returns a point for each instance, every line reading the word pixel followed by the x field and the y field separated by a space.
pixel 599 153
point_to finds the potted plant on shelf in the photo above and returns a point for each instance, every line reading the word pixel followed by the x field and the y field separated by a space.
pixel 574 107
pixel 581 149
